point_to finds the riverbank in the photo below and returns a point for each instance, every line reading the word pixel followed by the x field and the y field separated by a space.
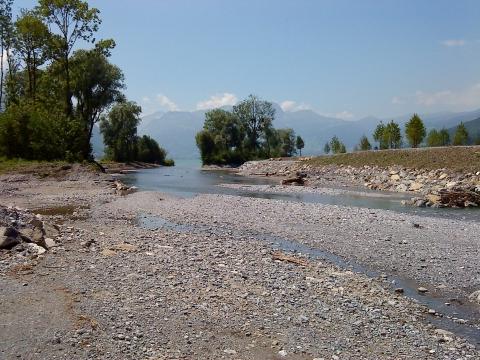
pixel 125 282
pixel 436 187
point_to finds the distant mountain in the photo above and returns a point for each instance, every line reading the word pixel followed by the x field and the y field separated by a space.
pixel 175 131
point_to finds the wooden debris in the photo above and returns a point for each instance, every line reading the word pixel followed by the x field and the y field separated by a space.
pixel 278 255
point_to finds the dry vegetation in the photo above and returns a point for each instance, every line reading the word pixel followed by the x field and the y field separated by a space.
pixel 461 158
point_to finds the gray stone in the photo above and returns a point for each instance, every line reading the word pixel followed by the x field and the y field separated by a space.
pixel 9 237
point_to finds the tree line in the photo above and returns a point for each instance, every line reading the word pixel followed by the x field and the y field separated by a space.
pixel 389 136
pixel 245 133
pixel 52 92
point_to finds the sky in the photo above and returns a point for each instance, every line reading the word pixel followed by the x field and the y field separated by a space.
pixel 347 59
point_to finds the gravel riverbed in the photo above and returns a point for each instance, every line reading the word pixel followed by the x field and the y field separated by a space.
pixel 113 289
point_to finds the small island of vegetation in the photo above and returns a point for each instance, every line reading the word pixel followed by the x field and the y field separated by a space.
pixel 245 133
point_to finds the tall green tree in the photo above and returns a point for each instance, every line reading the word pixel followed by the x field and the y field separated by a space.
pixel 119 130
pixel 434 138
pixel 445 137
pixel 336 146
pixel 364 144
pixel 300 144
pixel 461 135
pixel 256 116
pixel 73 20
pixel 379 136
pixel 415 131
pixel 287 142
pixel 326 148
pixel 31 45
pixel 96 85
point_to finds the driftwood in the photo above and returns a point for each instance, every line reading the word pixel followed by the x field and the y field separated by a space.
pixel 459 198
pixel 277 255
pixel 293 181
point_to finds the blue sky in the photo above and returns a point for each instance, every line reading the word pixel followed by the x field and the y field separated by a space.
pixel 341 58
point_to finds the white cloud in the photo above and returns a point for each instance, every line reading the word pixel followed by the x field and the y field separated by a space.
pixel 469 97
pixel 165 102
pixel 454 42
pixel 344 115
pixel 290 105
pixel 396 100
pixel 217 101
pixel 146 100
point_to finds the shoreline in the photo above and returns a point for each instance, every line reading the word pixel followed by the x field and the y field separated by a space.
pixel 221 292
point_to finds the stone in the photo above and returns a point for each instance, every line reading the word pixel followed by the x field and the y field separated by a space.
pixel 395 177
pixel 451 184
pixel 282 353
pixel 422 290
pixel 34 235
pixel 442 176
pixel 415 186
pixel 230 352
pixel 35 249
pixel 9 238
pixel 434 199
pixel 50 243
pixel 475 297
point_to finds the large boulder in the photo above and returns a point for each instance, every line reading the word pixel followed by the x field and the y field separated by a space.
pixel 9 237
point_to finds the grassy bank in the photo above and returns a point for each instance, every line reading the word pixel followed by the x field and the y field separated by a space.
pixel 462 158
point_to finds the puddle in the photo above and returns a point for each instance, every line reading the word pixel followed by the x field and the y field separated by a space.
pixel 72 212
pixel 451 316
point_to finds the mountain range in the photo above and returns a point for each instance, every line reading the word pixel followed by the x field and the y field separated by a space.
pixel 175 130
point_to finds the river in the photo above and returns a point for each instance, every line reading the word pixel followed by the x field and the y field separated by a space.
pixel 187 179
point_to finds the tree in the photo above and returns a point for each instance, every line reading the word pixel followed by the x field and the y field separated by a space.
pixel 461 135
pixel 206 145
pixel 393 135
pixel 96 85
pixel 445 137
pixel 119 130
pixel 32 37
pixel 415 131
pixel 6 41
pixel 287 142
pixel 74 21
pixel 434 138
pixel 364 144
pixel 336 146
pixel 326 148
pixel 300 144
pixel 150 152
pixel 256 117
pixel 379 136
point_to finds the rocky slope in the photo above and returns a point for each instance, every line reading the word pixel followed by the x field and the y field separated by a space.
pixel 438 188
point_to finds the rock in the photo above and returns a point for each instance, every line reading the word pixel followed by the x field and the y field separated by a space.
pixel 34 235
pixel 50 243
pixel 415 186
pixel 230 352
pixel 399 290
pixel 451 184
pixel 9 238
pixel 443 176
pixel 395 177
pixel 434 199
pixel 475 297
pixel 444 335
pixel 282 353
pixel 422 290
pixel 35 249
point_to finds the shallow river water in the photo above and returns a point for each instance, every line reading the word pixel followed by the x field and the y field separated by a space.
pixel 187 180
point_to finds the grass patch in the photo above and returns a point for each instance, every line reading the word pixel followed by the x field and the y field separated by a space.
pixel 461 158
